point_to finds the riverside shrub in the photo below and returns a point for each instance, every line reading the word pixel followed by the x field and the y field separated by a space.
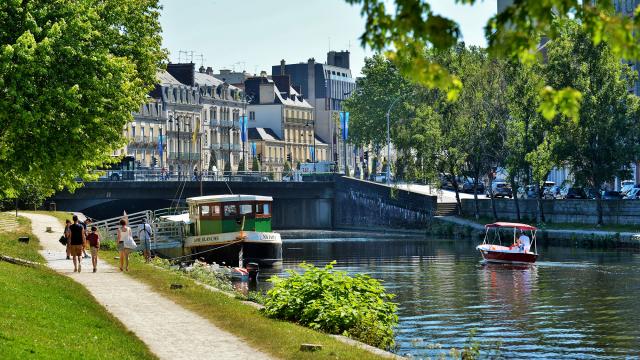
pixel 332 301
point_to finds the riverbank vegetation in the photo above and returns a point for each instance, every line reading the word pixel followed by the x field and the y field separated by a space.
pixel 501 119
pixel 279 338
pixel 44 314
pixel 332 301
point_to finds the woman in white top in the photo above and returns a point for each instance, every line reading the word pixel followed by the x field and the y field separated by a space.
pixel 123 232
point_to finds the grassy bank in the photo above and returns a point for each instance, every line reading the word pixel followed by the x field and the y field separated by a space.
pixel 278 338
pixel 47 315
pixel 10 246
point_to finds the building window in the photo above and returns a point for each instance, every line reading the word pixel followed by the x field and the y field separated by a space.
pixel 133 131
pixel 252 115
pixel 151 133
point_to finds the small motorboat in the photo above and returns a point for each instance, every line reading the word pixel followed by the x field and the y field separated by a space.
pixel 493 250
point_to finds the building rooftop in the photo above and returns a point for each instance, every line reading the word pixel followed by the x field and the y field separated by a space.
pixel 164 78
pixel 257 133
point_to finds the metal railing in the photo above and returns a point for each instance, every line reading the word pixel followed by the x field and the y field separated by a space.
pixel 164 233
pixel 157 174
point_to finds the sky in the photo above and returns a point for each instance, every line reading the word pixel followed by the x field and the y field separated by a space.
pixel 253 35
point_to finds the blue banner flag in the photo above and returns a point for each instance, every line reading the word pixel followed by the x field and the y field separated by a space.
pixel 312 150
pixel 243 128
pixel 160 147
pixel 253 149
pixel 344 123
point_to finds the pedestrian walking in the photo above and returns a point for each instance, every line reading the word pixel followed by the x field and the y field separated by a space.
pixel 67 235
pixel 87 226
pixel 94 244
pixel 78 239
pixel 144 234
pixel 124 240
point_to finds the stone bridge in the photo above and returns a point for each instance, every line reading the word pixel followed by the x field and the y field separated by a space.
pixel 343 203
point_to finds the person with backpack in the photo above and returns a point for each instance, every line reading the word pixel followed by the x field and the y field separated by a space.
pixel 144 234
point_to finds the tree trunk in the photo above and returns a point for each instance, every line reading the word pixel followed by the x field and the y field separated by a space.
pixel 514 192
pixel 493 203
pixel 476 206
pixel 540 213
pixel 454 182
pixel 599 207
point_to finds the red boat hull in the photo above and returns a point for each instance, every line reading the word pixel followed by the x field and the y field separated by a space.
pixel 508 257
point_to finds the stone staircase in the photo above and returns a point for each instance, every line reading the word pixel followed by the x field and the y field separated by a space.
pixel 446 209
pixel 8 222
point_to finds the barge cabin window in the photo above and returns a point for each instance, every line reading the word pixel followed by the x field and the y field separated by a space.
pixel 259 209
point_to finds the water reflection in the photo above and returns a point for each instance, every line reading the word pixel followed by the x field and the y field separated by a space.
pixel 575 303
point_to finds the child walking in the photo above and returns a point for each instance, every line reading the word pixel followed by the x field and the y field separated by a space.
pixel 94 244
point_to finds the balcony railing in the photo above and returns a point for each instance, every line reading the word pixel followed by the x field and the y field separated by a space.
pixel 184 156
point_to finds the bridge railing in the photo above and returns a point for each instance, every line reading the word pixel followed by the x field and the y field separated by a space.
pixel 109 227
pixel 168 211
pixel 166 234
pixel 156 174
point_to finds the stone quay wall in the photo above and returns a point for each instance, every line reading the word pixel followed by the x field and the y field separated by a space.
pixel 620 212
pixel 360 204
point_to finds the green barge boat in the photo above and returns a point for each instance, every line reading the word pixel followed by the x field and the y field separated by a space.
pixel 230 229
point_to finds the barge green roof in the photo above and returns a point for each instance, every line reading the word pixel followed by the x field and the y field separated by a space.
pixel 227 198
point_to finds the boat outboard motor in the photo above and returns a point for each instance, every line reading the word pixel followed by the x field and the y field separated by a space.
pixel 253 270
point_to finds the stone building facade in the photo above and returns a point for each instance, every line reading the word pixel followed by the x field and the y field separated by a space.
pixel 277 105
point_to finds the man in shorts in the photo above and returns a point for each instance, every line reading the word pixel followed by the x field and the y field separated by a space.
pixel 78 239
pixel 94 243
pixel 144 234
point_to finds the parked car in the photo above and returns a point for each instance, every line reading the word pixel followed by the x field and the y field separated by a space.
pixel 633 194
pixel 626 188
pixel 552 192
pixel 611 195
pixel 574 193
pixel 467 186
pixel 382 178
pixel 499 189
pixel 527 192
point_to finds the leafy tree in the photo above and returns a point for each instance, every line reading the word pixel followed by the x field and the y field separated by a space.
pixel 287 167
pixel 406 31
pixel 379 86
pixel 71 74
pixel 526 131
pixel 255 165
pixel 605 137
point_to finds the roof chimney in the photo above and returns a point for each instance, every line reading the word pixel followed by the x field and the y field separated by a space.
pixel 209 70
pixel 263 73
pixel 201 69
pixel 282 63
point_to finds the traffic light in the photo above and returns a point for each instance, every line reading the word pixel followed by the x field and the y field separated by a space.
pixel 154 161
pixel 289 157
pixel 366 156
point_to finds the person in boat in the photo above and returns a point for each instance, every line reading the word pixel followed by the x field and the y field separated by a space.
pixel 524 242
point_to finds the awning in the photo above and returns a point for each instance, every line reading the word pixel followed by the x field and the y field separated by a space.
pixel 518 226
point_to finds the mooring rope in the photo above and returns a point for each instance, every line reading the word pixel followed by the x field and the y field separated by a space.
pixel 206 251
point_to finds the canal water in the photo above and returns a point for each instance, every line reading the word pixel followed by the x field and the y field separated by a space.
pixel 575 303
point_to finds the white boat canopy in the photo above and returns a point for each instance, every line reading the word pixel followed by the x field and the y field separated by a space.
pixel 184 218
pixel 226 198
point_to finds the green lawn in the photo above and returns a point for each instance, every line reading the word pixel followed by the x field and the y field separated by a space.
pixel 278 338
pixel 47 315
pixel 563 226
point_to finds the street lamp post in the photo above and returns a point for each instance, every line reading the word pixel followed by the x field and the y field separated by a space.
pixel 189 168
pixel 177 122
